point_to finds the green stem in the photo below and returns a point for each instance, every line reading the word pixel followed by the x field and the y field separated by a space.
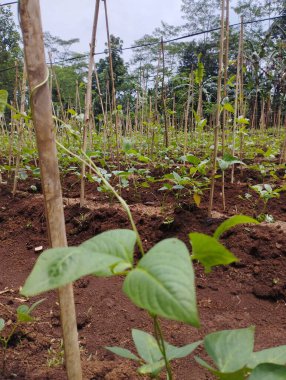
pixel 161 344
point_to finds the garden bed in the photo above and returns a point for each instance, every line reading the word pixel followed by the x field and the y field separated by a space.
pixel 250 292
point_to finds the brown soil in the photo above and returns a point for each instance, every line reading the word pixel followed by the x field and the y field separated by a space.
pixel 251 292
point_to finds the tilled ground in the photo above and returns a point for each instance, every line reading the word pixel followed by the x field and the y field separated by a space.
pixel 251 292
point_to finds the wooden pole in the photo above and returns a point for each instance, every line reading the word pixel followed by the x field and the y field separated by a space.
pixel 217 125
pixel 54 76
pixel 20 130
pixel 30 19
pixel 112 82
pixel 187 114
pixel 236 100
pixel 88 98
pixel 166 134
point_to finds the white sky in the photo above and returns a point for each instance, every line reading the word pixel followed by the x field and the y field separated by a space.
pixel 129 19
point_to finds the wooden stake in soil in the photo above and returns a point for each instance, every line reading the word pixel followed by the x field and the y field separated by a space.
pixel 31 25
pixel 88 99
pixel 217 125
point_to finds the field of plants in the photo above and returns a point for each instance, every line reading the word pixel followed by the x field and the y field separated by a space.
pixel 143 205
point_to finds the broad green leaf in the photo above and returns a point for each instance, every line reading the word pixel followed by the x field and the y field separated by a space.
pixel 57 267
pixel 152 368
pixel 209 252
pixel 123 352
pixel 173 352
pixel 275 355
pixel 238 375
pixel 146 346
pixel 193 159
pixel 3 101
pixel 204 364
pixel 2 324
pixel 111 247
pixel 163 282
pixel 268 372
pixel 228 107
pixel 230 349
pixel 177 177
pixel 242 120
pixel 232 222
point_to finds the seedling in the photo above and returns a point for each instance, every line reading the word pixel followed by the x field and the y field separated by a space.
pixel 150 356
pixel 266 192
pixel 23 315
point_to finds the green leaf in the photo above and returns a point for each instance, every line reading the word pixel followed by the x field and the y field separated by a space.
pixel 59 266
pixel 209 252
pixel 204 364
pixel 232 222
pixel 123 352
pixel 147 346
pixel 173 352
pixel 163 282
pixel 230 349
pixel 237 375
pixel 228 107
pixel 193 159
pixel 23 314
pixel 3 101
pixel 275 355
pixel 242 120
pixel 152 368
pixel 268 372
pixel 2 324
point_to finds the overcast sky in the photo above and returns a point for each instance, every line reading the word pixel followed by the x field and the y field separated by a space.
pixel 129 19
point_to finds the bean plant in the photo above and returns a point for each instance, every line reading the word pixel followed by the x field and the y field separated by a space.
pixel 23 316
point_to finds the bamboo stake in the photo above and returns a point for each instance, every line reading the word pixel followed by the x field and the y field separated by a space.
pixel 88 99
pixel 217 125
pixel 225 113
pixel 20 130
pixel 166 135
pixel 112 81
pixel 237 87
pixel 54 76
pixel 187 115
pixel 31 25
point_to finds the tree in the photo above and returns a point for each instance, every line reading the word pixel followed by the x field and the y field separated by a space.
pixel 9 50
pixel 69 68
pixel 120 72
pixel 200 14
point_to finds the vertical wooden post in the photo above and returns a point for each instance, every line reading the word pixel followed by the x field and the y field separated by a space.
pixel 217 122
pixel 88 99
pixel 112 82
pixel 187 114
pixel 54 76
pixel 30 19
pixel 237 89
pixel 20 129
pixel 166 134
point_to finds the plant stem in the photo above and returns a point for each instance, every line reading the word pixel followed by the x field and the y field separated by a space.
pixel 161 344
